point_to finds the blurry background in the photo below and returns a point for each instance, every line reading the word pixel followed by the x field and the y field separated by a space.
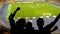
pixel 3 1
pixel 4 6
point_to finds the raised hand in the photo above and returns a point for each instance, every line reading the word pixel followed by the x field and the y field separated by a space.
pixel 55 28
pixel 18 8
pixel 49 26
pixel 12 22
pixel 12 15
pixel 47 29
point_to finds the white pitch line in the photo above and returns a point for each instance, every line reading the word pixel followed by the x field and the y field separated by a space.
pixel 33 17
pixel 27 17
pixel 54 16
pixel 47 16
pixel 41 16
pixel 19 17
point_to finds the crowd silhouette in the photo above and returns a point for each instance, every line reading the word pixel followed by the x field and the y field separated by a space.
pixel 18 27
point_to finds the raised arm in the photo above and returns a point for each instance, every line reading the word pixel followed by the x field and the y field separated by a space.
pixel 55 28
pixel 11 18
pixel 49 26
pixel 12 15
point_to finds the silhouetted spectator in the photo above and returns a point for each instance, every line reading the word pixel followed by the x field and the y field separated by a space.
pixel 29 28
pixel 40 23
pixel 18 27
pixel 47 29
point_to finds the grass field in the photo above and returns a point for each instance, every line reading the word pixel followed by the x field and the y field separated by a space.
pixel 33 9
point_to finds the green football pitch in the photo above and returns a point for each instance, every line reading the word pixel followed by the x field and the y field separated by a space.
pixel 33 9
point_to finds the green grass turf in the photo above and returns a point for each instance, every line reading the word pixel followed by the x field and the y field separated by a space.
pixel 34 9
